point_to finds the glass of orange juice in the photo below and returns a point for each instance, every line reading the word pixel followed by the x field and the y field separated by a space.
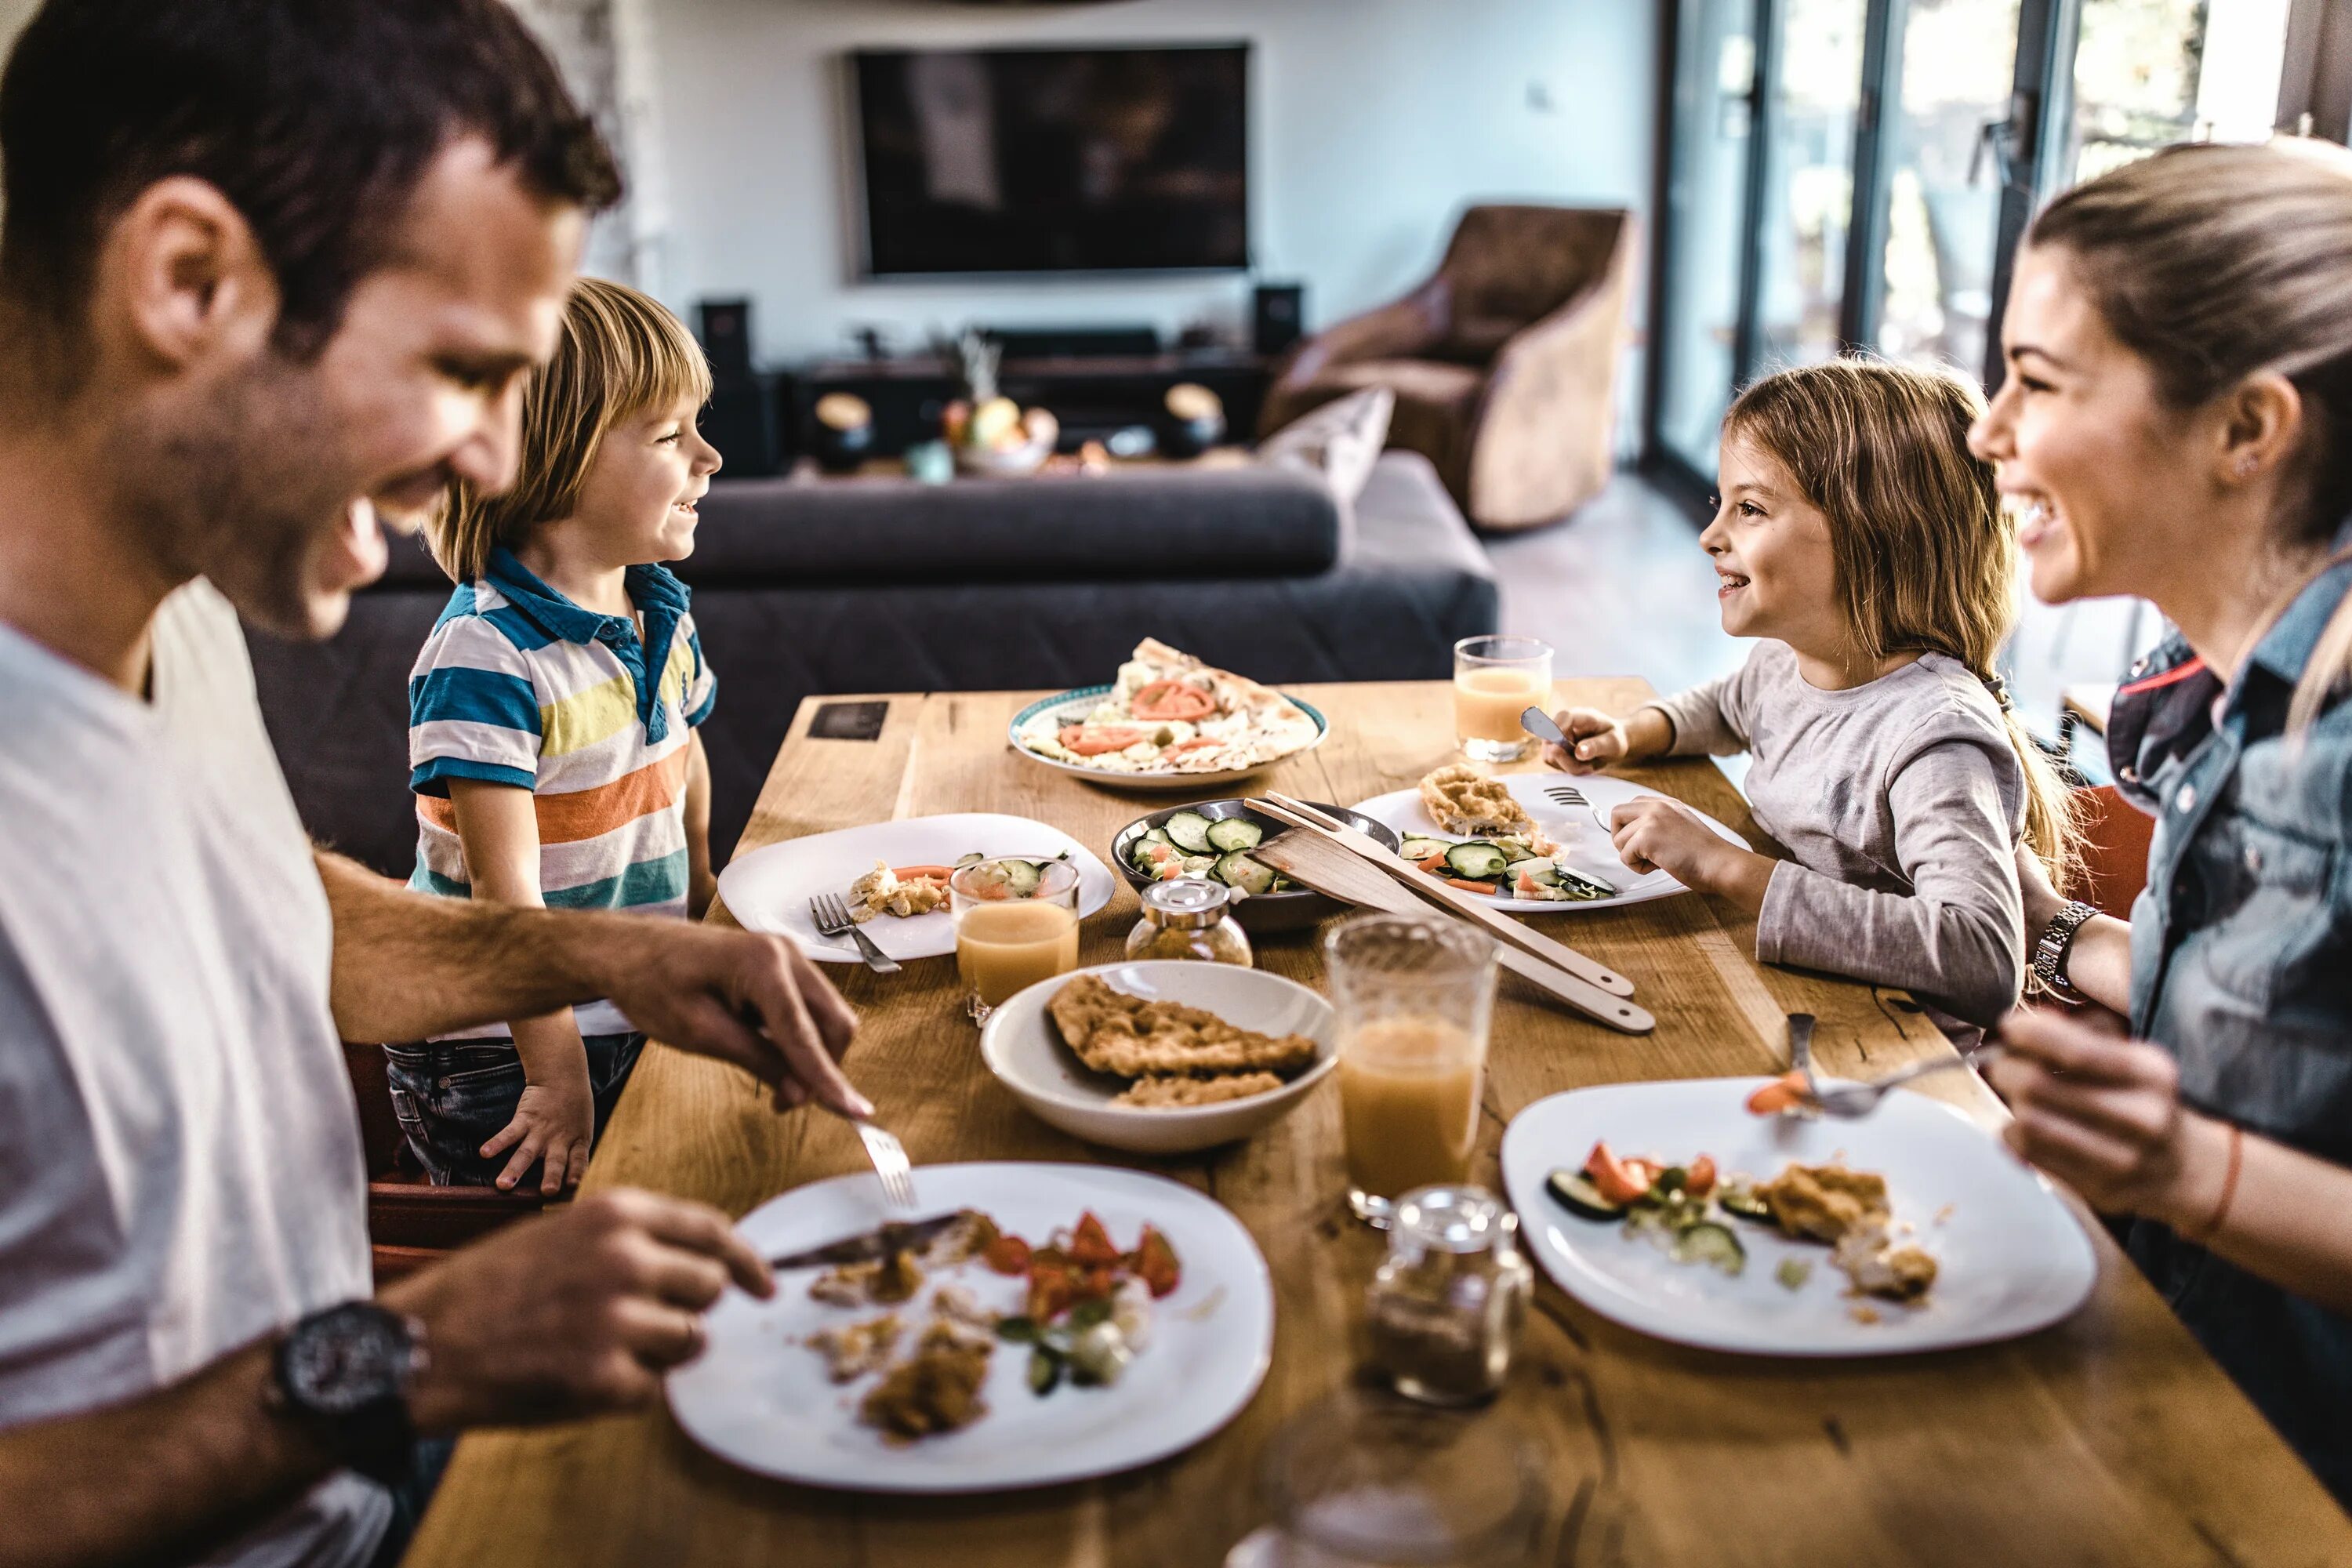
pixel 1495 680
pixel 1016 923
pixel 1414 995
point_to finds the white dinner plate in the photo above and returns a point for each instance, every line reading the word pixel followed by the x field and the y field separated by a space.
pixel 760 1397
pixel 2011 1257
pixel 1584 844
pixel 1072 707
pixel 769 890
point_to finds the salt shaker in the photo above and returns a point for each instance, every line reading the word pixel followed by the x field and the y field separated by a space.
pixel 1448 1302
pixel 1188 918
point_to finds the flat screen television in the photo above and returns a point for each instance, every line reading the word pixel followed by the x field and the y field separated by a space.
pixel 1051 160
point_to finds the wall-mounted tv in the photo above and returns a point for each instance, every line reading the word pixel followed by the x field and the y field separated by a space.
pixel 1096 160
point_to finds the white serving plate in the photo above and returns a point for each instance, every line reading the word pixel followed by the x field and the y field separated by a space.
pixel 1026 1052
pixel 1076 704
pixel 769 890
pixel 761 1399
pixel 2011 1256
pixel 1584 843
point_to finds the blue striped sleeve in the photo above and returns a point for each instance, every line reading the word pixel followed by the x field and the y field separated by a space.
pixel 702 687
pixel 473 708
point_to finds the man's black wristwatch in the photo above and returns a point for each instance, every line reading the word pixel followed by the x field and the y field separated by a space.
pixel 344 1371
pixel 2058 941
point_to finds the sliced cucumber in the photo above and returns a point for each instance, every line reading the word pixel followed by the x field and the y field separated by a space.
pixel 1157 835
pixel 1423 849
pixel 974 858
pixel 1577 1195
pixel 1477 862
pixel 1708 1242
pixel 1235 833
pixel 1516 849
pixel 1188 831
pixel 1568 883
pixel 1238 870
pixel 1022 876
pixel 1739 1200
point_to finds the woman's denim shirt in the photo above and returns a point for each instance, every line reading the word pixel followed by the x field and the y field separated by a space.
pixel 2242 967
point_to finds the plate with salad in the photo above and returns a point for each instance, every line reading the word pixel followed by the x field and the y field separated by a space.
pixel 1510 840
pixel 1673 1209
pixel 892 877
pixel 1213 839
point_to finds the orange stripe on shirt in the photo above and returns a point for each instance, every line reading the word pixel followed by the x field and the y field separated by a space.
pixel 588 813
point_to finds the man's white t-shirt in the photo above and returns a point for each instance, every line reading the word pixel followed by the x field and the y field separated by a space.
pixel 180 1162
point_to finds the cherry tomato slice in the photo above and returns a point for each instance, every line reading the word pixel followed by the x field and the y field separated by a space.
pixel 1620 1181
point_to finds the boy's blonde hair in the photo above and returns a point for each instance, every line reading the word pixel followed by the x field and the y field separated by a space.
pixel 1925 561
pixel 620 353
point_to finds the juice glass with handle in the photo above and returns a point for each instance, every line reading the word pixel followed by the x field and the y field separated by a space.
pixel 1495 678
pixel 1414 995
pixel 1016 923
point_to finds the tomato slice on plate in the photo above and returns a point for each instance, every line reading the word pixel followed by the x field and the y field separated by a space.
pixel 1172 699
pixel 1620 1181
pixel 1098 740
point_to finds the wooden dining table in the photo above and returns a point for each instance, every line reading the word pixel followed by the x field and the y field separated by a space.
pixel 2110 1438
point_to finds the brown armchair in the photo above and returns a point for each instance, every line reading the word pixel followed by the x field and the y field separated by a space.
pixel 1504 363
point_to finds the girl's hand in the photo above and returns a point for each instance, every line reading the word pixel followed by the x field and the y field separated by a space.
pixel 1597 741
pixel 554 1123
pixel 2102 1114
pixel 1654 834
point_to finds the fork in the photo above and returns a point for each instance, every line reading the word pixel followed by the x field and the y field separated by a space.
pixel 832 918
pixel 1800 1049
pixel 891 1166
pixel 1861 1099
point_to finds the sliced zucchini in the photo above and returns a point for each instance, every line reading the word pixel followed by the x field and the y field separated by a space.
pixel 1739 1200
pixel 1022 876
pixel 1188 831
pixel 1235 833
pixel 1708 1242
pixel 1516 849
pixel 1477 862
pixel 1577 1195
pixel 1239 871
pixel 1581 885
pixel 1423 849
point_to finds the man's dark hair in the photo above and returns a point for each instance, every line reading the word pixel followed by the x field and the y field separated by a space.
pixel 316 118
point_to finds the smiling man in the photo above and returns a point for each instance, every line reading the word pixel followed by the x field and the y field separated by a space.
pixel 272 270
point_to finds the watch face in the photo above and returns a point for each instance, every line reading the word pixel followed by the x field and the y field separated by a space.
pixel 343 1360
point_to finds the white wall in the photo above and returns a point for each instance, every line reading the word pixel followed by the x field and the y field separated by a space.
pixel 1371 123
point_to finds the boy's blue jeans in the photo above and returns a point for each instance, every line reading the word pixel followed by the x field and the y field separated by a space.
pixel 454 1096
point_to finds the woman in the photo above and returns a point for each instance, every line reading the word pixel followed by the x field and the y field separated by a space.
pixel 2177 423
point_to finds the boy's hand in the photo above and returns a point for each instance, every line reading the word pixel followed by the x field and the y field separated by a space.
pixel 1597 741
pixel 553 1122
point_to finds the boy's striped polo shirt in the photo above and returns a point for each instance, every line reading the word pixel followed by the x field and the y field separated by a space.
pixel 520 686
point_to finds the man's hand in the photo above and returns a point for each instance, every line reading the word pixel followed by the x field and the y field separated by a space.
pixel 567 1314
pixel 554 1125
pixel 756 1000
pixel 1595 741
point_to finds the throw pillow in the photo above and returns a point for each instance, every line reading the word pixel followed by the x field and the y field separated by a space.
pixel 1340 440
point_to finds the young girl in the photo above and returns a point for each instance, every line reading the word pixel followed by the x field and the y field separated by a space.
pixel 551 724
pixel 1862 542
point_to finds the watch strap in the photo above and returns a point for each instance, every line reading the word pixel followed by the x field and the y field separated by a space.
pixel 2057 943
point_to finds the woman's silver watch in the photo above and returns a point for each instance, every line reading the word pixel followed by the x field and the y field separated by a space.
pixel 2057 943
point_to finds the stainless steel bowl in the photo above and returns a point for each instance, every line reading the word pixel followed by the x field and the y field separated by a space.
pixel 1268 912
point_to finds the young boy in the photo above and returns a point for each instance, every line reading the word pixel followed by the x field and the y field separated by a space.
pixel 552 725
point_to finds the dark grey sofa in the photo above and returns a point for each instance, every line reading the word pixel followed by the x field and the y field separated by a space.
pixel 804 588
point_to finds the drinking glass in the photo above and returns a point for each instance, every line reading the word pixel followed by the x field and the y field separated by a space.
pixel 1414 995
pixel 1495 680
pixel 1362 1481
pixel 1012 933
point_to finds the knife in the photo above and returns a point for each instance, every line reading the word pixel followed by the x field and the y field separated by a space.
pixel 884 1239
pixel 1537 722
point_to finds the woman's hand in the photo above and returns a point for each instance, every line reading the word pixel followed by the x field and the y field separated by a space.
pixel 553 1122
pixel 2102 1114
pixel 1597 741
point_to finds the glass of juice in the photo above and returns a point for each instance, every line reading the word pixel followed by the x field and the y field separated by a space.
pixel 1494 680
pixel 1016 923
pixel 1414 995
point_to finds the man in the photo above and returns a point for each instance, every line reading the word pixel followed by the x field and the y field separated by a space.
pixel 269 268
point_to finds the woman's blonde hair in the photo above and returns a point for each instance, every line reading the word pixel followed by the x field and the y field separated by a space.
pixel 2213 263
pixel 619 354
pixel 1926 563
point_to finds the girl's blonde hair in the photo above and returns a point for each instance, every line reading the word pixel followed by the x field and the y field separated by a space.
pixel 1926 563
pixel 2213 263
pixel 619 354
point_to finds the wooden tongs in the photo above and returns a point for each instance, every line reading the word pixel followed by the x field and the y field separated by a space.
pixel 1335 859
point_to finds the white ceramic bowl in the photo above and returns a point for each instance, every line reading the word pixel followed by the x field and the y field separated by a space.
pixel 1026 1052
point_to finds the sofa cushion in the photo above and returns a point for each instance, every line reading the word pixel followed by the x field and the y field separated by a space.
pixel 1340 441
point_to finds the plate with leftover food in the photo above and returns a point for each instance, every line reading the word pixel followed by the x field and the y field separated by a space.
pixel 1673 1209
pixel 1161 1056
pixel 892 877
pixel 1062 1322
pixel 1168 721
pixel 1513 840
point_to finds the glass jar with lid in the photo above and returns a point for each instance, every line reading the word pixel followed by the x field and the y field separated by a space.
pixel 1448 1302
pixel 1188 918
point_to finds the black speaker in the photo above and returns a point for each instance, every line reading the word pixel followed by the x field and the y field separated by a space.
pixel 1278 317
pixel 725 328
pixel 741 421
